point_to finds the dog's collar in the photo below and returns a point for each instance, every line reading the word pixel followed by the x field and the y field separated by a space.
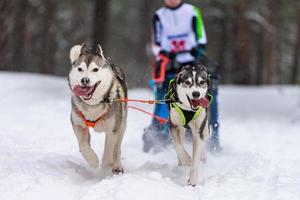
pixel 88 122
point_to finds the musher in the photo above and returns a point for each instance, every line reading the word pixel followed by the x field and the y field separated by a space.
pixel 178 33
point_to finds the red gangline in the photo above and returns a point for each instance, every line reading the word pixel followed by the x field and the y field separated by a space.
pixel 160 119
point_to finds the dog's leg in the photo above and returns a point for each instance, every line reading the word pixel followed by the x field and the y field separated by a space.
pixel 203 157
pixel 117 166
pixel 178 137
pixel 83 138
pixel 107 160
pixel 198 148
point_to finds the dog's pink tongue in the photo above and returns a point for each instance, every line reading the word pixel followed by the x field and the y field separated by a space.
pixel 82 91
pixel 203 102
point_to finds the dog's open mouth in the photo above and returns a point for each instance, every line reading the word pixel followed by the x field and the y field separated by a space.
pixel 196 103
pixel 86 92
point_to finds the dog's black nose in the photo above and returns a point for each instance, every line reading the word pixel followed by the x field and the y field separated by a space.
pixel 196 94
pixel 85 81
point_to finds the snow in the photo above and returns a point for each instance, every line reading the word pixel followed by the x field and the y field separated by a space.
pixel 40 160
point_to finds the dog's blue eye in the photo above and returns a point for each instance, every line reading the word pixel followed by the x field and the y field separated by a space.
pixel 80 69
pixel 95 69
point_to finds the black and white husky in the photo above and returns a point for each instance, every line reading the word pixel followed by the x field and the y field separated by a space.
pixel 190 111
pixel 95 85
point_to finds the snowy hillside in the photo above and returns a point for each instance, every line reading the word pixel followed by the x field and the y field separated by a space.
pixel 39 158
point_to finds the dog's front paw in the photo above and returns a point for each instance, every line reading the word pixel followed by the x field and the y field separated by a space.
pixel 117 170
pixel 191 183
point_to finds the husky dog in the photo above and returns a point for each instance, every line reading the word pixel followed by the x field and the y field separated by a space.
pixel 95 86
pixel 190 111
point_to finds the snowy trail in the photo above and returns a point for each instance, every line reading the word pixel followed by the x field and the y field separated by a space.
pixel 260 134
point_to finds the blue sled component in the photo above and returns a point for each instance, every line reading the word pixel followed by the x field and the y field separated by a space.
pixel 161 110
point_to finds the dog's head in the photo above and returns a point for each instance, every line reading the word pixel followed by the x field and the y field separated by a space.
pixel 90 76
pixel 192 84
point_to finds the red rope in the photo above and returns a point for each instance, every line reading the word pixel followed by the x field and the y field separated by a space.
pixel 137 100
pixel 160 119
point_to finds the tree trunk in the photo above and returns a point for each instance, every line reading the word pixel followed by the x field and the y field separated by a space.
pixel 222 38
pixel 296 63
pixel 242 51
pixel 260 57
pixel 19 34
pixel 48 40
pixel 271 42
pixel 223 49
pixel 143 27
pixel 100 22
pixel 142 47
pixel 3 32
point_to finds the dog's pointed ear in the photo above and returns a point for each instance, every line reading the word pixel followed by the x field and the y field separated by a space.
pixel 200 67
pixel 203 68
pixel 186 67
pixel 208 79
pixel 99 51
pixel 76 51
pixel 84 49
pixel 178 77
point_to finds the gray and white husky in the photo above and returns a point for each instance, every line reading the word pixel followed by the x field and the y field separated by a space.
pixel 95 86
pixel 190 111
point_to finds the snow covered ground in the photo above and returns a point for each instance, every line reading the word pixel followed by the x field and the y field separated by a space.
pixel 39 158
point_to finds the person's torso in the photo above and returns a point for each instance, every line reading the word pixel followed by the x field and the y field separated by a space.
pixel 177 33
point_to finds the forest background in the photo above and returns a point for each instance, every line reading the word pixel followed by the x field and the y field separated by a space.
pixel 255 42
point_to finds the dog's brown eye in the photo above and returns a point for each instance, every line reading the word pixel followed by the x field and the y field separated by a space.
pixel 95 69
pixel 187 83
pixel 201 82
pixel 80 69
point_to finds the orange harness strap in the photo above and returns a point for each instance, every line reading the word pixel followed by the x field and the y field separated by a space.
pixel 160 119
pixel 125 100
pixel 88 122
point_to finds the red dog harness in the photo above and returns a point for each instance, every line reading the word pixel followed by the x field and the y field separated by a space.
pixel 91 123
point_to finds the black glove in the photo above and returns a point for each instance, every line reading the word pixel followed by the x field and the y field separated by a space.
pixel 157 68
pixel 170 55
pixel 198 51
pixel 194 52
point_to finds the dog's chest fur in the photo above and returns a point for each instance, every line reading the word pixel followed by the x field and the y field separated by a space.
pixel 176 119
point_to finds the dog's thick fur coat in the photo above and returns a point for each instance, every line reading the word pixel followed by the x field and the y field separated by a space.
pixel 95 86
pixel 190 85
